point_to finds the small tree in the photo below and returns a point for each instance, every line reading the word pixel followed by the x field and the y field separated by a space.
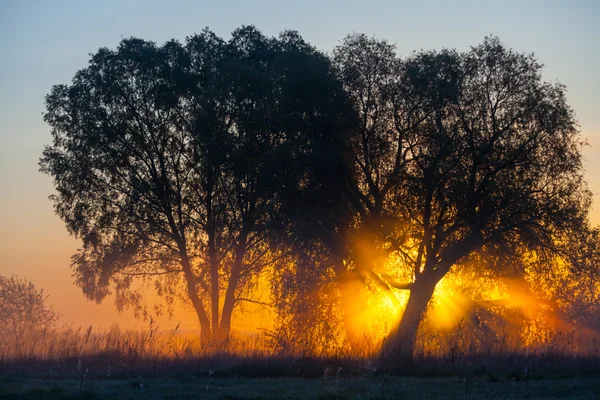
pixel 22 309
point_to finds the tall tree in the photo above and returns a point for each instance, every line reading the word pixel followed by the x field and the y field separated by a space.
pixel 457 154
pixel 162 159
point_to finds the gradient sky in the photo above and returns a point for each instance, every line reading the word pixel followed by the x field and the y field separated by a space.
pixel 43 43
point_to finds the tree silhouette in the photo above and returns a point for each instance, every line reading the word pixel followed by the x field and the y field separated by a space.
pixel 23 309
pixel 163 162
pixel 196 165
pixel 457 153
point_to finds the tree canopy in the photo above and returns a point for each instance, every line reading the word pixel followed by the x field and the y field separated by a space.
pixel 195 165
pixel 456 154
pixel 163 156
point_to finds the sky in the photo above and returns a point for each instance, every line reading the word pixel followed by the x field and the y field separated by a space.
pixel 43 43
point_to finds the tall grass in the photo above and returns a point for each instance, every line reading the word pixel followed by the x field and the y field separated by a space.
pixel 150 352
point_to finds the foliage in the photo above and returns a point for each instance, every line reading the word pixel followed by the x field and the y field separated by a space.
pixel 197 166
pixel 457 154
pixel 163 160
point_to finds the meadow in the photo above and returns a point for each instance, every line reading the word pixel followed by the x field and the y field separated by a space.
pixel 153 364
pixel 193 387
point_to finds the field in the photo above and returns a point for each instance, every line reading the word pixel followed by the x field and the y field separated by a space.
pixel 230 377
pixel 382 387
pixel 148 364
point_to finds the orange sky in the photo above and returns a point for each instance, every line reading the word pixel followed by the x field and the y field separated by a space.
pixel 44 45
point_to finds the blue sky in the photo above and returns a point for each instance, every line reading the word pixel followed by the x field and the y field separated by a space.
pixel 45 42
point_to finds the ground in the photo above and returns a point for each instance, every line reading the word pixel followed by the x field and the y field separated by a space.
pixel 191 387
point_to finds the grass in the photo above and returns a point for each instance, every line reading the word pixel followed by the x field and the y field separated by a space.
pixel 147 364
pixel 383 387
pixel 85 353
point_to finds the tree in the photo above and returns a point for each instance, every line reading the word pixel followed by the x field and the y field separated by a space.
pixel 23 309
pixel 162 159
pixel 457 154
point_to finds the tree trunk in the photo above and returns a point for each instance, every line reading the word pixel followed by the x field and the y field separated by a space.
pixel 399 346
pixel 236 270
pixel 225 327
pixel 205 331
pixel 213 261
pixel 214 281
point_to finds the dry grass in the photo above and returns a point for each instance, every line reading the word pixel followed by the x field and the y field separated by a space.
pixel 116 353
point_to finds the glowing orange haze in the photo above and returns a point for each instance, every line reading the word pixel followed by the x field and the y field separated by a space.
pixel 34 244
